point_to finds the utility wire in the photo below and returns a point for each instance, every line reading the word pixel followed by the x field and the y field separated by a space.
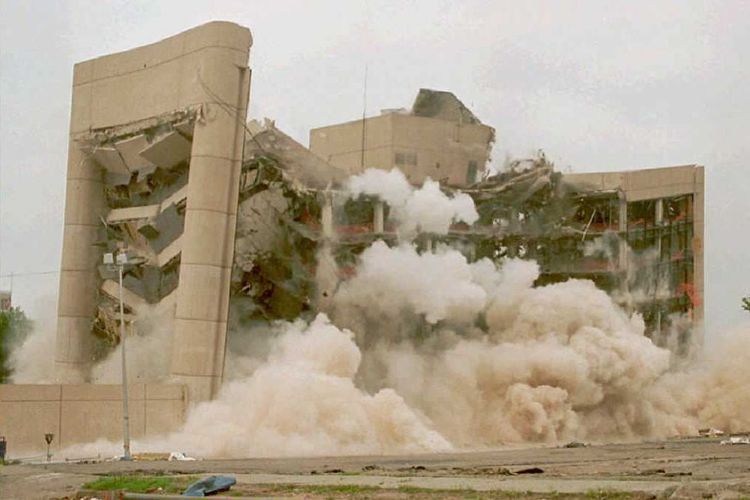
pixel 32 273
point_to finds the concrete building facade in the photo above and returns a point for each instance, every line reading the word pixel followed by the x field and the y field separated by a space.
pixel 84 413
pixel 155 154
pixel 655 264
pixel 439 138
pixel 226 222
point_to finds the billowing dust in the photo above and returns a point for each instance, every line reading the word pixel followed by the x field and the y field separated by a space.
pixel 427 351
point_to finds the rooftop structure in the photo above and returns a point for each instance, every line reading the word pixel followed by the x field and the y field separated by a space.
pixel 439 138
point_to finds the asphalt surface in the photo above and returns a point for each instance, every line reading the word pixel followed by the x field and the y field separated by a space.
pixel 686 468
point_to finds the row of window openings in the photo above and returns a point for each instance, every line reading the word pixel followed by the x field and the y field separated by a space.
pixel 410 159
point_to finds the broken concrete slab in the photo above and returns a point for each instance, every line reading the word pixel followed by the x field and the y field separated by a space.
pixel 174 198
pixel 109 159
pixel 114 179
pixel 112 288
pixel 149 230
pixel 168 150
pixel 443 105
pixel 132 213
pixel 163 229
pixel 170 252
pixel 130 150
pixel 186 128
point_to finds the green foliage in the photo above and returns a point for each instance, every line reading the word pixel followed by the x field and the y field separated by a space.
pixel 132 484
pixel 14 328
pixel 746 303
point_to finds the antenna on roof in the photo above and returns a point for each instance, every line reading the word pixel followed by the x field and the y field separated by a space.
pixel 364 125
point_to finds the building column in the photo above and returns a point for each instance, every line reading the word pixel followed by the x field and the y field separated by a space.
pixel 326 216
pixel 658 221
pixel 378 223
pixel 199 343
pixel 77 301
pixel 623 229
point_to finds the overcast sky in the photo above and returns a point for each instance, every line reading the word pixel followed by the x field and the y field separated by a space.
pixel 598 85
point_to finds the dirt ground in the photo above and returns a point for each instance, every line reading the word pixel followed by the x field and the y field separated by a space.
pixel 687 468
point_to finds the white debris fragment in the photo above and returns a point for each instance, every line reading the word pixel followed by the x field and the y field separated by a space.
pixel 737 440
pixel 180 457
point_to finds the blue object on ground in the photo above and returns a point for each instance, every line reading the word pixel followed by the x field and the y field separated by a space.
pixel 210 486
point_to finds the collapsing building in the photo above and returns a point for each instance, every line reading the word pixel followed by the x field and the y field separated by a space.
pixel 223 235
pixel 166 180
pixel 155 158
pixel 636 234
pixel 227 224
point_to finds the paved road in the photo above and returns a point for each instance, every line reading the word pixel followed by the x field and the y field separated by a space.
pixel 693 468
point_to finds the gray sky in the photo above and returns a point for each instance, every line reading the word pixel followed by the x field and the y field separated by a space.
pixel 598 85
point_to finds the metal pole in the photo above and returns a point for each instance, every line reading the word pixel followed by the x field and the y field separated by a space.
pixel 125 417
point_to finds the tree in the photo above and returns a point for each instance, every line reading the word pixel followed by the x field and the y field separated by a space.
pixel 746 304
pixel 14 328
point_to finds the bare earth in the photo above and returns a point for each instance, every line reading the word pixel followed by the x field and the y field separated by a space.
pixel 687 468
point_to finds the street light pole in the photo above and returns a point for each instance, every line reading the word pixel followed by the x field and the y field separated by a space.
pixel 121 260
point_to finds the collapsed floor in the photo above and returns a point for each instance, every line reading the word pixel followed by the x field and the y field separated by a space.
pixel 289 224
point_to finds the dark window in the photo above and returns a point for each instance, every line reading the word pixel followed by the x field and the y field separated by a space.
pixel 471 172
pixel 406 159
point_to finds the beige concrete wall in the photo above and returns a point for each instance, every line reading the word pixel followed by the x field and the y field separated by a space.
pixel 341 145
pixel 656 183
pixel 443 148
pixel 203 69
pixel 84 413
pixel 653 183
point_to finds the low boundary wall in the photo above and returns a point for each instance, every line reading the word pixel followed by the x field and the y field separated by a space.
pixel 83 413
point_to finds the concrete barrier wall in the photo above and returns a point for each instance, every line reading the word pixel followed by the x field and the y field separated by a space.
pixel 84 413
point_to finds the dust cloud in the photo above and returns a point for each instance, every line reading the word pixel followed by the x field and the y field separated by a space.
pixel 303 401
pixel 147 347
pixel 427 351
pixel 33 361
pixel 426 209
pixel 423 351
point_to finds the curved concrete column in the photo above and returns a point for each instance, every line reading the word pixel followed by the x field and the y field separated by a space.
pixel 208 240
pixel 84 205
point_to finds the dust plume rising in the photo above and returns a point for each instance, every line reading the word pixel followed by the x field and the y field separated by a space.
pixel 33 361
pixel 426 209
pixel 423 351
pixel 303 400
pixel 148 347
pixel 429 352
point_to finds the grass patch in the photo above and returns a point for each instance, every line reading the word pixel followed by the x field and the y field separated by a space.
pixel 133 484
pixel 138 483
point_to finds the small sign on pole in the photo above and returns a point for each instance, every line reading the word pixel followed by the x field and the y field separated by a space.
pixel 48 437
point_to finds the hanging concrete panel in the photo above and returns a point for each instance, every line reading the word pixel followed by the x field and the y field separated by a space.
pixel 168 150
